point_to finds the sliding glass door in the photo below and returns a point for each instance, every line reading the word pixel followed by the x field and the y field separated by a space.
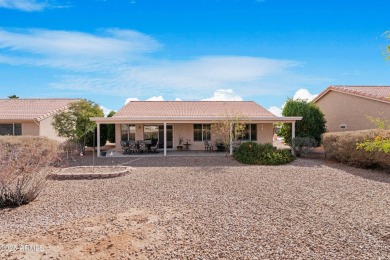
pixel 156 133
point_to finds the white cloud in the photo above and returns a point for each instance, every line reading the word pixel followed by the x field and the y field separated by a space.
pixel 224 95
pixel 75 50
pixel 178 99
pixel 155 98
pixel 131 99
pixel 277 111
pixel 304 94
pixel 28 5
pixel 181 78
pixel 118 62
pixel 106 110
pixel 24 5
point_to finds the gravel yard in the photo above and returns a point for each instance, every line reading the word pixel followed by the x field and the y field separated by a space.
pixel 207 208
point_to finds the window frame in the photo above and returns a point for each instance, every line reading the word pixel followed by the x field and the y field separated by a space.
pixel 249 130
pixel 129 128
pixel 205 130
pixel 15 127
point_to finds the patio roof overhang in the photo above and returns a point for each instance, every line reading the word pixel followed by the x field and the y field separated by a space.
pixel 170 120
pixel 182 120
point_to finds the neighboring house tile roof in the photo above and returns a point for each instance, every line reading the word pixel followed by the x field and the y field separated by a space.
pixel 31 109
pixel 379 93
pixel 201 109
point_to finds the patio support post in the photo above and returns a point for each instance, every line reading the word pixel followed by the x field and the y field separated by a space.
pixel 98 139
pixel 292 135
pixel 165 139
pixel 293 130
pixel 231 138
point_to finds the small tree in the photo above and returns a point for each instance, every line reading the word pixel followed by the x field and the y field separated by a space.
pixel 13 97
pixel 313 122
pixel 230 128
pixel 75 124
pixel 111 129
pixel 379 144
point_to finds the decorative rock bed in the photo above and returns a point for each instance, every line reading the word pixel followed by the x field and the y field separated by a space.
pixel 91 172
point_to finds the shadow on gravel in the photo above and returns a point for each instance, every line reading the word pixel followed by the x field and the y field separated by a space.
pixel 380 175
pixel 170 161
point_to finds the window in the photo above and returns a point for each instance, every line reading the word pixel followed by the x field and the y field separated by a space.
pixel 249 133
pixel 202 132
pixel 127 132
pixel 10 129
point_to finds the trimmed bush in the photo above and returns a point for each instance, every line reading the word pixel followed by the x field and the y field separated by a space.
pixel 265 154
pixel 300 145
pixel 343 147
pixel 25 163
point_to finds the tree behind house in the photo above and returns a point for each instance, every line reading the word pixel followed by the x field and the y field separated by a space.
pixel 75 124
pixel 312 124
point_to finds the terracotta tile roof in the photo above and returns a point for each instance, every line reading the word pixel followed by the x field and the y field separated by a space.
pixel 31 109
pixel 380 93
pixel 201 109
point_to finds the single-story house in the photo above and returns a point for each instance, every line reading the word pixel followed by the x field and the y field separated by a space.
pixel 169 121
pixel 31 116
pixel 347 108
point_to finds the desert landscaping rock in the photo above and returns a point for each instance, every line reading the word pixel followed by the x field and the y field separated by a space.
pixel 90 172
pixel 208 208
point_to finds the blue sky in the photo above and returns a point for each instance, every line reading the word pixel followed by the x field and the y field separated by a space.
pixel 110 51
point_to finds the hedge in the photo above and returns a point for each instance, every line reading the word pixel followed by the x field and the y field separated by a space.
pixel 343 146
pixel 264 154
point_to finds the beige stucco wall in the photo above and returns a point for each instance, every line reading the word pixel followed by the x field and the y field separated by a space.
pixel 186 131
pixel 352 111
pixel 118 137
pixel 265 133
pixel 30 129
pixel 46 129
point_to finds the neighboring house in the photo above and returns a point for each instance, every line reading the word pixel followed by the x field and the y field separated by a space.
pixel 168 121
pixel 31 116
pixel 347 108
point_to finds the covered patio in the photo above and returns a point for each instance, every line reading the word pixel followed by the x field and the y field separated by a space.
pixel 170 124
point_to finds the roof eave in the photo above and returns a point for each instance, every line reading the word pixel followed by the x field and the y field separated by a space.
pixel 111 120
pixel 333 88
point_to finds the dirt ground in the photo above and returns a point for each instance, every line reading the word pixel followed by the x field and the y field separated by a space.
pixel 310 209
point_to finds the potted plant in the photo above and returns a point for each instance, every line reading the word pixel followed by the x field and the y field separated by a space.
pixel 180 147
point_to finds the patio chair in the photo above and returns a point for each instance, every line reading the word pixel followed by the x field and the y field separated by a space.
pixel 142 147
pixel 220 145
pixel 132 147
pixel 208 147
pixel 125 146
pixel 154 148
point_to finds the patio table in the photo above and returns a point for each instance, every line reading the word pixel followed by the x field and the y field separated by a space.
pixel 186 146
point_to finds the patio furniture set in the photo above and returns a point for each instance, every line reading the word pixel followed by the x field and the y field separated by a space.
pixel 221 146
pixel 141 146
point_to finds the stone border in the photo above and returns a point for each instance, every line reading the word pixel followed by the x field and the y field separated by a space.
pixel 61 175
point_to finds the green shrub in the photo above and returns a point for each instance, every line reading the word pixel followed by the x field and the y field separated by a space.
pixel 265 154
pixel 312 124
pixel 25 163
pixel 344 147
pixel 300 145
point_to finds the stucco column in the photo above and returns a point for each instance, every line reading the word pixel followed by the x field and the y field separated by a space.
pixel 231 138
pixel 293 130
pixel 165 139
pixel 98 139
